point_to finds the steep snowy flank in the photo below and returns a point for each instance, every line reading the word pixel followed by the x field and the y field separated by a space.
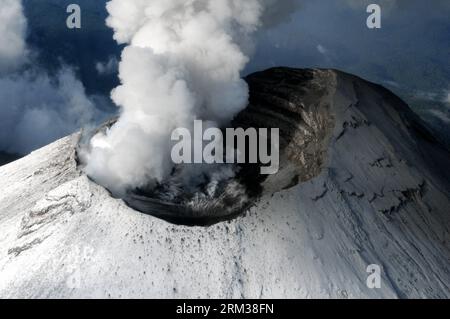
pixel 382 197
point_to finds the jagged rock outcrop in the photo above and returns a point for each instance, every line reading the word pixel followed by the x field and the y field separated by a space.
pixel 378 193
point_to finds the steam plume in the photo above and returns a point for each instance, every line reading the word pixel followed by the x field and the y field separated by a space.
pixel 183 62
pixel 12 28
pixel 36 108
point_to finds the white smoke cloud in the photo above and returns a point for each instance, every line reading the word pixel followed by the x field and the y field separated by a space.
pixel 108 67
pixel 13 27
pixel 36 108
pixel 183 62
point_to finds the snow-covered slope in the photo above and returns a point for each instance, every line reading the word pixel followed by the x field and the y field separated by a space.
pixel 383 198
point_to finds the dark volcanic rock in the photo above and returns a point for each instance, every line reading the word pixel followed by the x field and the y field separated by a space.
pixel 299 103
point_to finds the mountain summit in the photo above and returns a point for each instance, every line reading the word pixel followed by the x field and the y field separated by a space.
pixel 362 182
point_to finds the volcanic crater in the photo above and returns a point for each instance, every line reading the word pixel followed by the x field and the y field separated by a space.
pixel 299 103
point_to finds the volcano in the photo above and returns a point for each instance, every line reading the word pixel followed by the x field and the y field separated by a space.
pixel 361 182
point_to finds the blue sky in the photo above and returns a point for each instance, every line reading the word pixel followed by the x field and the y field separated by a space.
pixel 410 53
